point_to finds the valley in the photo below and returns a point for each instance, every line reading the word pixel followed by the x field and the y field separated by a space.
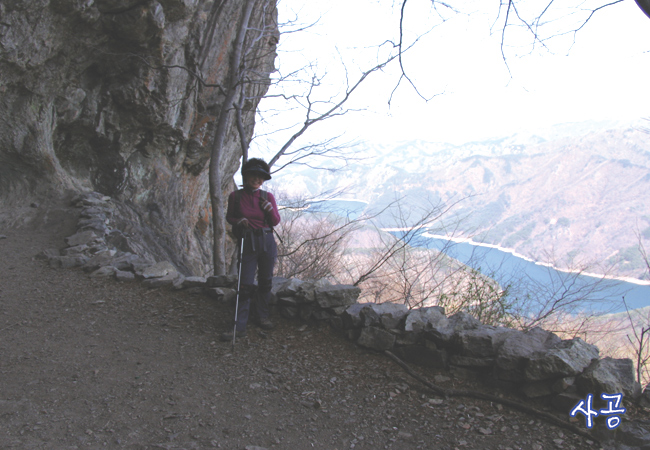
pixel 576 197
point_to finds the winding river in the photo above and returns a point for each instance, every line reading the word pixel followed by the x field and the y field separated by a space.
pixel 528 277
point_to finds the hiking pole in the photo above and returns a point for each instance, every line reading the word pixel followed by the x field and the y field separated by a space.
pixel 241 253
pixel 278 235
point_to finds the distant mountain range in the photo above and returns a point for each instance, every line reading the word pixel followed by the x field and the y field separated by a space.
pixel 576 193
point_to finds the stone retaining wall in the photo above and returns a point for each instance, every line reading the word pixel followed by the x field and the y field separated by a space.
pixel 536 363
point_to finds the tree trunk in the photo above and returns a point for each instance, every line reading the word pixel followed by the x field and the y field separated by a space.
pixel 236 76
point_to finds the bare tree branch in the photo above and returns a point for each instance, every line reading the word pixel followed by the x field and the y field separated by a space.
pixel 334 110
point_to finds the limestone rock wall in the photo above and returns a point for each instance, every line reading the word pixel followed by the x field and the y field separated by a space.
pixel 105 96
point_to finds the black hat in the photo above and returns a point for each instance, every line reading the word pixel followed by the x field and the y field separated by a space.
pixel 256 166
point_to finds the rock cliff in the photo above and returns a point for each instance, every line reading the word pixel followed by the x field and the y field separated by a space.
pixel 121 97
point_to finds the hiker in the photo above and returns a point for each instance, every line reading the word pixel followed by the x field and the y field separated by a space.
pixel 253 214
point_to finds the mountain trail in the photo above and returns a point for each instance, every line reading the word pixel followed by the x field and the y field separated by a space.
pixel 92 363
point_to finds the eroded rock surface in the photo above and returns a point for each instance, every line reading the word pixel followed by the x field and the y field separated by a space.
pixel 105 96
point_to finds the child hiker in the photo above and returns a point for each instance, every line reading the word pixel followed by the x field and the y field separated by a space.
pixel 253 214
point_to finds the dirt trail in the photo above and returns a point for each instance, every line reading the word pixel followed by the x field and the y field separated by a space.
pixel 92 363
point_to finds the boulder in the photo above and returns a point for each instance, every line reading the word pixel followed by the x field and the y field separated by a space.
pixel 289 312
pixel 95 212
pixel 117 239
pixel 100 247
pixel 99 260
pixel 222 294
pixel 306 312
pixel 320 314
pixel 644 399
pixel 338 310
pixel 339 295
pixel 369 317
pixel 92 221
pixel 67 262
pixel 126 261
pixel 409 338
pixel 444 331
pixel 564 385
pixel 124 276
pixel 391 315
pixel 430 317
pixel 289 288
pixel 302 291
pixel 92 199
pixel 288 301
pixel 609 376
pixel 190 282
pixel 308 292
pixel 157 282
pixel 567 359
pixel 351 317
pixel 633 434
pixel 518 348
pixel 76 250
pixel 97 225
pixel 482 342
pixel 376 339
pixel 178 282
pixel 276 284
pixel 336 323
pixel 160 270
pixel 81 238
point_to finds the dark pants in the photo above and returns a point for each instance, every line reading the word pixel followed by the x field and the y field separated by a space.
pixel 260 252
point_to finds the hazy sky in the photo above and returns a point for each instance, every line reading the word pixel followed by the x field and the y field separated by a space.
pixel 602 75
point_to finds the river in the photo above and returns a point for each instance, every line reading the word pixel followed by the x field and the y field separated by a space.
pixel 603 295
pixel 527 277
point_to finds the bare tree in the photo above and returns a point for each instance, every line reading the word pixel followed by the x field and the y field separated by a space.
pixel 481 296
pixel 561 293
pixel 237 96
pixel 216 197
pixel 313 241
pixel 408 225
pixel 639 321
pixel 246 83
pixel 522 27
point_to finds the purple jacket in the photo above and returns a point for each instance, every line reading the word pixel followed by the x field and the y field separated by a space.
pixel 251 210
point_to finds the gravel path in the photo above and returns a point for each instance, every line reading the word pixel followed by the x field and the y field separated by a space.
pixel 93 363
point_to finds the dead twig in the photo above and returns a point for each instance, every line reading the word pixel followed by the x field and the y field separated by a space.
pixel 10 326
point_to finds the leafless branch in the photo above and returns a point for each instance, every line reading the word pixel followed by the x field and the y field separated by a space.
pixel 332 111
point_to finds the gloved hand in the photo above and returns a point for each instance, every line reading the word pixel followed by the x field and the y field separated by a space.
pixel 266 205
pixel 243 222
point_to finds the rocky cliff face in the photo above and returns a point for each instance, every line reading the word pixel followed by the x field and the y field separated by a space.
pixel 121 97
